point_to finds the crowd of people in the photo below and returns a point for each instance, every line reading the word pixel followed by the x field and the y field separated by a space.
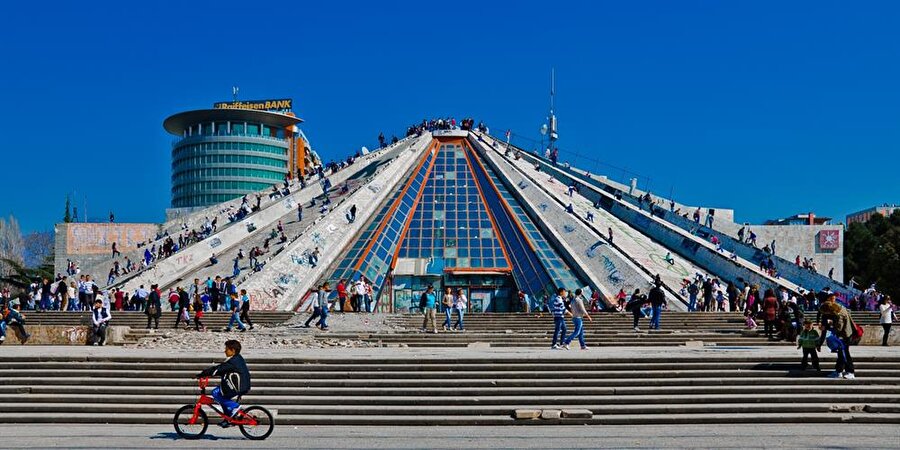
pixel 351 296
pixel 444 123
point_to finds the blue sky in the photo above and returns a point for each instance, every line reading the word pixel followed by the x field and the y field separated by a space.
pixel 769 108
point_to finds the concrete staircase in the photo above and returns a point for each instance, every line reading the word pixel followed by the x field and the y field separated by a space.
pixel 607 329
pixel 458 390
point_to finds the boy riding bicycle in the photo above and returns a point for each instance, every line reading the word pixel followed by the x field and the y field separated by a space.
pixel 235 380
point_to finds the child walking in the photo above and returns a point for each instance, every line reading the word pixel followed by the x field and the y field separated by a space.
pixel 198 314
pixel 808 341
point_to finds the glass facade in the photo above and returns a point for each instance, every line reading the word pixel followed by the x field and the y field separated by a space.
pixel 451 226
pixel 452 223
pixel 538 269
pixel 210 170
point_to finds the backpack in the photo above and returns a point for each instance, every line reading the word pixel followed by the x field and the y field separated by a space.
pixel 423 300
pixel 833 342
pixel 857 334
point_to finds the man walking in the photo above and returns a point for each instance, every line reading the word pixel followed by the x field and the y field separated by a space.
pixel 657 299
pixel 428 302
pixel 579 313
pixel 558 307
pixel 184 300
pixel 154 307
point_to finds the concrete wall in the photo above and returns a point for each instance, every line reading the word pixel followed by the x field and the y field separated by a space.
pixel 88 243
pixel 289 276
pixel 64 335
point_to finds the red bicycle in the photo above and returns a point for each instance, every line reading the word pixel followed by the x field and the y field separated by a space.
pixel 255 422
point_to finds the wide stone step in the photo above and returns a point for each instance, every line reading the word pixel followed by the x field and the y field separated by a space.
pixel 476 410
pixel 630 419
pixel 837 386
pixel 762 379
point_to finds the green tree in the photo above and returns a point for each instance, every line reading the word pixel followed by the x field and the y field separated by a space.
pixel 67 218
pixel 872 253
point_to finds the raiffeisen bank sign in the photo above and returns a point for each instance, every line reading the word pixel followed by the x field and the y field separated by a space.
pixel 280 105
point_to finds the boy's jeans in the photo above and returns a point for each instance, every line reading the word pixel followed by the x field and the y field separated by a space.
pixel 559 329
pixel 323 316
pixel 228 404
pixel 654 316
pixel 448 310
pixel 578 323
pixel 235 319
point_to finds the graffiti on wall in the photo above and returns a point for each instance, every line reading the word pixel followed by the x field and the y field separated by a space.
pixel 612 271
pixel 75 335
pixel 592 250
pixel 263 300
pixel 97 238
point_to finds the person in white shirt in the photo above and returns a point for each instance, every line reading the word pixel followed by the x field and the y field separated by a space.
pixel 361 291
pixel 100 318
pixel 460 303
pixel 887 318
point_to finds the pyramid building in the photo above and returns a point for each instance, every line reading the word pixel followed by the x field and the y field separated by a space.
pixel 453 224
pixel 460 209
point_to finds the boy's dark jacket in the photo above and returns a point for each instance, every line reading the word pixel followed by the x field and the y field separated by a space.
pixel 235 376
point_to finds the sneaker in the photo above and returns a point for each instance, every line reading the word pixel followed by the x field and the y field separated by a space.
pixel 849 376
pixel 243 330
pixel 554 347
pixel 422 330
pixel 566 347
pixel 435 331
pixel 835 375
pixel 585 348
pixel 224 424
pixel 2 338
pixel 637 329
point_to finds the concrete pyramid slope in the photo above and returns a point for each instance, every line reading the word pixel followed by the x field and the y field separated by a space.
pixel 184 263
pixel 267 240
pixel 605 266
pixel 725 230
pixel 286 278
pixel 689 246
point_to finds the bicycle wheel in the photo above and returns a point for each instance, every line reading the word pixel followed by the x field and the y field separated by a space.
pixel 265 423
pixel 186 429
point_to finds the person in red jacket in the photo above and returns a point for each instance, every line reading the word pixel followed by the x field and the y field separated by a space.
pixel 342 294
pixel 770 311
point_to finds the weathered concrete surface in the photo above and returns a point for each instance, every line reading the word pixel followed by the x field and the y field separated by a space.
pixel 526 414
pixel 874 333
pixel 64 335
pixel 288 276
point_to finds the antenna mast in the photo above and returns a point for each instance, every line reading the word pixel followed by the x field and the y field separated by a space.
pixel 552 118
